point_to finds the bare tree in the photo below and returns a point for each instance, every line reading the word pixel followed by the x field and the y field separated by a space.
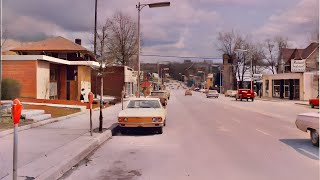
pixel 281 43
pixel 228 42
pixel 271 56
pixel 121 40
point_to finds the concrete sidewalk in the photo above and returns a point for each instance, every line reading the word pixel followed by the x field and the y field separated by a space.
pixel 48 151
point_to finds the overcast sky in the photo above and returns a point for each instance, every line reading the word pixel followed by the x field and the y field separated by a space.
pixel 186 28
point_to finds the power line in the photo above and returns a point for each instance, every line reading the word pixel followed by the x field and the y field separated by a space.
pixel 183 57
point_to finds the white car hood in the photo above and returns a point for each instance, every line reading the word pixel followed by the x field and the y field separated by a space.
pixel 142 112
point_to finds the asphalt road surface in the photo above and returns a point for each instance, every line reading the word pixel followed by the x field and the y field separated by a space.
pixel 208 139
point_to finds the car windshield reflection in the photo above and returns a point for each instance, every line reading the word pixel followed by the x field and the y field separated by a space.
pixel 144 104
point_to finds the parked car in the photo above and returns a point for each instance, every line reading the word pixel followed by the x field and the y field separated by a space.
pixel 228 93
pixel 212 93
pixel 196 89
pixel 188 92
pixel 309 122
pixel 245 94
pixel 202 90
pixel 162 95
pixel 314 102
pixel 168 93
pixel 143 112
pixel 233 93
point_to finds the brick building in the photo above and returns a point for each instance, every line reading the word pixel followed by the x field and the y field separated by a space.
pixel 55 68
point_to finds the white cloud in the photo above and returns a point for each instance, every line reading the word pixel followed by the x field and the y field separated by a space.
pixel 295 23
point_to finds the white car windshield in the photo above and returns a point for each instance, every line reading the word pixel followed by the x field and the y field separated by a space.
pixel 213 91
pixel 144 104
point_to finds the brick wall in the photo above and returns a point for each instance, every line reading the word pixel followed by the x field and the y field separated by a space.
pixel 227 76
pixel 113 81
pixel 23 71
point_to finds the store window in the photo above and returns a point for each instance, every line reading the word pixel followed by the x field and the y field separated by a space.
pixel 276 88
pixel 267 87
pixel 296 89
pixel 53 75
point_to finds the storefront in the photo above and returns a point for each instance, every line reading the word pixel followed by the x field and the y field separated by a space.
pixel 293 86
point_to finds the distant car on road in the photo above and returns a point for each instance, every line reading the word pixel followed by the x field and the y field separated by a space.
pixel 212 93
pixel 309 122
pixel 188 92
pixel 314 102
pixel 231 93
pixel 203 90
pixel 245 94
pixel 143 112
pixel 196 89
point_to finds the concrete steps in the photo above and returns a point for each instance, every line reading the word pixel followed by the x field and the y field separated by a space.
pixel 35 115
pixel 41 117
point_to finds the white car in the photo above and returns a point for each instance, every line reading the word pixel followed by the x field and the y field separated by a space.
pixel 143 112
pixel 202 90
pixel 309 122
pixel 212 93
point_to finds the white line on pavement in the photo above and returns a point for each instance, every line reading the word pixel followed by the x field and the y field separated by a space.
pixel 263 132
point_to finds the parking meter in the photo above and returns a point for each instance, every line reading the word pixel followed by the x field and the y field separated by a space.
pixel 16 111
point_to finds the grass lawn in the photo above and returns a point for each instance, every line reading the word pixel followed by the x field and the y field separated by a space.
pixel 7 123
pixel 54 111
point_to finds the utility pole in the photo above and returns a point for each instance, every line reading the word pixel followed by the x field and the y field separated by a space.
pixel 95 42
pixel 101 102
pixel 138 85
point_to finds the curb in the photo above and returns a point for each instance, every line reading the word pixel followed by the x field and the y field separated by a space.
pixel 302 104
pixel 58 171
pixel 40 123
pixel 55 167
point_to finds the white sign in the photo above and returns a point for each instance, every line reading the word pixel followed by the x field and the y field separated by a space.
pixel 298 65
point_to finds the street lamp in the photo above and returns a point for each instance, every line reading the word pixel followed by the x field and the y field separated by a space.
pixel 251 68
pixel 139 7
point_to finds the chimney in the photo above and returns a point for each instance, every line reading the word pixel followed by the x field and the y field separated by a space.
pixel 78 41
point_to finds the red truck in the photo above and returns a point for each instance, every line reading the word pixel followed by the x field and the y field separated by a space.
pixel 245 94
pixel 314 102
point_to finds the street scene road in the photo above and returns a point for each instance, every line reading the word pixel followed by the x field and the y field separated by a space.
pixel 210 139
pixel 159 90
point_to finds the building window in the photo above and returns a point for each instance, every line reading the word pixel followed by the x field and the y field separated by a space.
pixel 53 75
pixel 267 87
pixel 276 88
pixel 296 89
pixel 62 56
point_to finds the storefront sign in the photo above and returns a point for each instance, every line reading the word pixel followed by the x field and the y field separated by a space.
pixel 257 77
pixel 298 65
